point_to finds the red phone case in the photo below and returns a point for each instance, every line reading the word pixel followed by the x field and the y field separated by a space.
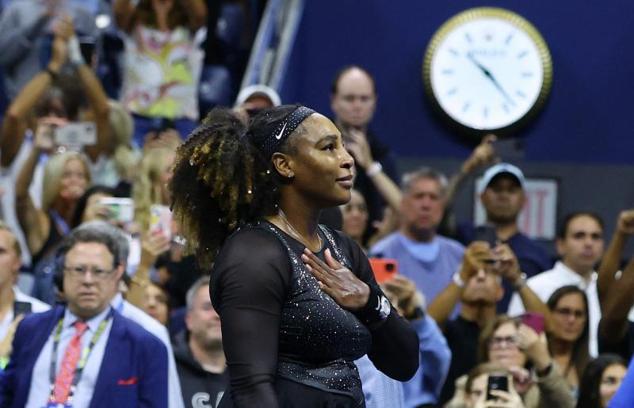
pixel 384 269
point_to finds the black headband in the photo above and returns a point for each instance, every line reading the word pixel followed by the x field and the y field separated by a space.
pixel 272 141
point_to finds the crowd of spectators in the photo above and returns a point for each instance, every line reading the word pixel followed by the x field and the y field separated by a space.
pixel 98 97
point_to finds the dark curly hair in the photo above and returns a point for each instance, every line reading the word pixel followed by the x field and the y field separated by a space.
pixel 222 181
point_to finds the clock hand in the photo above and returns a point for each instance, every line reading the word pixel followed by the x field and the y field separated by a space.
pixel 488 74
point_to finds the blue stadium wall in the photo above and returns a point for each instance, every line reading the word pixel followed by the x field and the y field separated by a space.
pixel 584 137
pixel 588 119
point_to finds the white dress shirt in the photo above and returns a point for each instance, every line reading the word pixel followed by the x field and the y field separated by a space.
pixel 40 390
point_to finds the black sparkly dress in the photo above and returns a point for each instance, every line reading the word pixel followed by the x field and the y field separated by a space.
pixel 288 344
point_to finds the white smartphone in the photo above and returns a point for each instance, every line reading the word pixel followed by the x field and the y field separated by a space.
pixel 120 209
pixel 76 134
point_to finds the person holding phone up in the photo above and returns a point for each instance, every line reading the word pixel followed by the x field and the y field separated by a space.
pixel 524 353
pixel 477 285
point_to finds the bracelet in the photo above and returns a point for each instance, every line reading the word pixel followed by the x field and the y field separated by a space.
pixel 142 282
pixel 457 280
pixel 373 169
pixel 521 282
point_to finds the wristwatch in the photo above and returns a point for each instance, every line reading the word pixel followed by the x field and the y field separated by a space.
pixel 384 307
pixel 458 280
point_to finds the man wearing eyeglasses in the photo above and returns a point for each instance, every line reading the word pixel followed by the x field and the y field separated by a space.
pixel 84 353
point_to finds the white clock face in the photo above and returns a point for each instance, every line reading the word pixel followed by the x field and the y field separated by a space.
pixel 486 73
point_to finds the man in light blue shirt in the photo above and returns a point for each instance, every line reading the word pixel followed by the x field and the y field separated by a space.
pixel 428 259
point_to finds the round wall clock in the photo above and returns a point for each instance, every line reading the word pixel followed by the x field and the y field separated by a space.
pixel 487 70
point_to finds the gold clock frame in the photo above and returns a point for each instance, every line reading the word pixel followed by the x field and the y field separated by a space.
pixel 515 19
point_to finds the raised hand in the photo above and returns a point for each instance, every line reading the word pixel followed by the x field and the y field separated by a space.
pixel 476 257
pixel 506 264
pixel 482 155
pixel 535 346
pixel 337 281
pixel 404 293
pixel 357 145
pixel 45 131
pixel 625 224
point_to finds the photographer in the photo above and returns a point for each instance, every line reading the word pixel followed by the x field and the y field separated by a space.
pixel 478 287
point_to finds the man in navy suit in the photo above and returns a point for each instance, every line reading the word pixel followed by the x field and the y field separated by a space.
pixel 85 354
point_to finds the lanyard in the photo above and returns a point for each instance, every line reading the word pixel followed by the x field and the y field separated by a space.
pixel 82 361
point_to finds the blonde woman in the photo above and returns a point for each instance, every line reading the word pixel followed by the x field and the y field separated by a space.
pixel 150 188
pixel 66 177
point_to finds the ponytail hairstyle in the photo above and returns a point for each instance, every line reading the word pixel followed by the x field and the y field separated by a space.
pixel 223 176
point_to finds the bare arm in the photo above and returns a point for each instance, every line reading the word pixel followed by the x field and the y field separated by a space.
pixel 15 123
pixel 152 245
pixel 99 103
pixel 532 303
pixel 444 303
pixel 32 220
pixel 617 304
pixel 482 155
pixel 612 258
pixel 472 263
pixel 509 269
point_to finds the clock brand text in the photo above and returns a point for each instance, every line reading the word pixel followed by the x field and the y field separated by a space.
pixel 482 52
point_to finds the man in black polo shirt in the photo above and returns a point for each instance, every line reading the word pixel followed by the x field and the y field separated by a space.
pixel 503 198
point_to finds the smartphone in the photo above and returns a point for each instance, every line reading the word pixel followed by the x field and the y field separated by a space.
pixel 120 209
pixel 384 269
pixel 509 149
pixel 497 382
pixel 21 308
pixel 533 320
pixel 161 220
pixel 486 233
pixel 76 134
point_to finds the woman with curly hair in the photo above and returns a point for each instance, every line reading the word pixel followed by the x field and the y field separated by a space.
pixel 297 301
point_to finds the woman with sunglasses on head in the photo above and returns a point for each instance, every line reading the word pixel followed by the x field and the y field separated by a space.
pixel 297 301
pixel 568 339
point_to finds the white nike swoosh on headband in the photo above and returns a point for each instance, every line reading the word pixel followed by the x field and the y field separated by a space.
pixel 279 136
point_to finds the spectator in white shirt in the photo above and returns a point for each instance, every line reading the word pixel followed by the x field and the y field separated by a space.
pixel 580 246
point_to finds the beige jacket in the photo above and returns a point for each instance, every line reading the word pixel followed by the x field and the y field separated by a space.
pixel 546 392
